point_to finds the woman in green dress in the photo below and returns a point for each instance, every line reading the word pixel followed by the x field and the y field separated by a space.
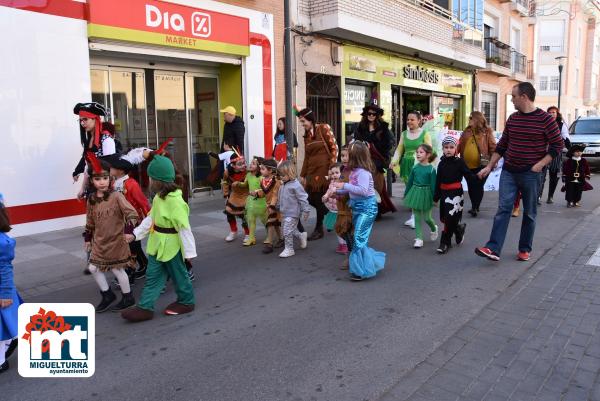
pixel 404 157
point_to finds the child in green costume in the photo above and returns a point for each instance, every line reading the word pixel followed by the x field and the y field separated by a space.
pixel 170 243
pixel 255 207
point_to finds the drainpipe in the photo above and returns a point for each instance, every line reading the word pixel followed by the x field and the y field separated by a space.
pixel 289 88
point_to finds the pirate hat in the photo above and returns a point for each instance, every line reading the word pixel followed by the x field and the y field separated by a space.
pixel 372 107
pixel 116 161
pixel 578 147
pixel 94 108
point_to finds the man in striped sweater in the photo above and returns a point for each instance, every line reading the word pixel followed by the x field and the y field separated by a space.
pixel 531 139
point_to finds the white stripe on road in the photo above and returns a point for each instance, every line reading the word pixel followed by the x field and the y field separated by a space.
pixel 595 259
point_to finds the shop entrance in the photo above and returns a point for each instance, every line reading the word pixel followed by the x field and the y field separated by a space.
pixel 417 101
pixel 148 106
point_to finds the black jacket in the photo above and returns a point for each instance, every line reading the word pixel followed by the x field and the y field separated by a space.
pixel 233 134
pixel 383 140
pixel 450 170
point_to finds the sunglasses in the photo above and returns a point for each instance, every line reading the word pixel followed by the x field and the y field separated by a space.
pixel 372 114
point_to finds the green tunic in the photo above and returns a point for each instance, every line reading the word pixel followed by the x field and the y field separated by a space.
pixel 420 187
pixel 254 206
pixel 170 212
pixel 408 157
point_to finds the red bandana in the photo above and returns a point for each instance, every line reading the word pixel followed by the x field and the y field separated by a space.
pixel 98 126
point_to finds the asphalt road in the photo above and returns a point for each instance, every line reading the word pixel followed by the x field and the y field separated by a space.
pixel 297 329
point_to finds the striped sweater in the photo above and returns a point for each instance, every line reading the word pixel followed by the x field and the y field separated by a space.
pixel 527 138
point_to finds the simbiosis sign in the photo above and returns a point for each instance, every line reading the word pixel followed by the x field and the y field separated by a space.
pixel 419 73
pixel 168 24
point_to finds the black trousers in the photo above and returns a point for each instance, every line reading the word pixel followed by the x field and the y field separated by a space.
pixel 553 182
pixel 451 206
pixel 315 199
pixel 476 189
pixel 573 191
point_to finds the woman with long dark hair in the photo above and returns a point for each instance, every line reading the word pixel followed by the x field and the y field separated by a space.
pixel 476 146
pixel 320 151
pixel 280 149
pixel 373 130
pixel 554 166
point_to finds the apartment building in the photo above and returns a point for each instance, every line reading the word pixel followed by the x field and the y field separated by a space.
pixel 402 55
pixel 568 30
pixel 508 35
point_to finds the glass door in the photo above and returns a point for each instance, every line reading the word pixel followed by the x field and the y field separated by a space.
pixel 171 119
pixel 202 101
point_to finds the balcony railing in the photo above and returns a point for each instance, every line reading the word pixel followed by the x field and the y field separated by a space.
pixel 519 62
pixel 497 52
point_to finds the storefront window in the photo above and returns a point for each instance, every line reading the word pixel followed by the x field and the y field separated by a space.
pixel 129 108
pixel 448 108
pixel 355 98
pixel 100 89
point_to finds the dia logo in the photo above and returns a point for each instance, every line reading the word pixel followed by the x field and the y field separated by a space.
pixel 56 340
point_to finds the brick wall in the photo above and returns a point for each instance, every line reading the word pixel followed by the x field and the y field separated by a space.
pixel 395 14
pixel 274 7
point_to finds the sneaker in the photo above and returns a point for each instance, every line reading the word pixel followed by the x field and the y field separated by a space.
pixel 418 243
pixel 287 253
pixel 232 235
pixel 443 248
pixel 577 204
pixel 342 249
pixel 539 202
pixel 303 241
pixel 354 277
pixel 246 238
pixel 550 200
pixel 473 212
pixel 487 253
pixel 435 233
pixel 410 222
pixel 569 205
pixel 523 256
pixel 139 274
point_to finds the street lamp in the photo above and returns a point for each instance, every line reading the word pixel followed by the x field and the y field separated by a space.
pixel 561 64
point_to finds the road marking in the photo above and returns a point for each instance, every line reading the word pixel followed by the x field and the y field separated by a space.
pixel 595 259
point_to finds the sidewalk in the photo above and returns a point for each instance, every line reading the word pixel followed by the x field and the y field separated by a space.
pixel 539 340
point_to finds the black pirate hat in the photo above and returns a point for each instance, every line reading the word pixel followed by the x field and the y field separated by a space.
pixel 91 107
pixel 117 162
pixel 578 147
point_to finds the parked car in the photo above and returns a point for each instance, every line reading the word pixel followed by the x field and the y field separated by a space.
pixel 586 131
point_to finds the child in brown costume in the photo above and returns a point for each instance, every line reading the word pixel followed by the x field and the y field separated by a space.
pixel 269 189
pixel 343 223
pixel 235 195
pixel 109 218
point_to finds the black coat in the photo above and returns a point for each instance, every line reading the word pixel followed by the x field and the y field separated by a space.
pixel 233 134
pixel 450 170
pixel 382 139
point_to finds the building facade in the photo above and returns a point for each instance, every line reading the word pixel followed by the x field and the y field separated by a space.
pixel 508 36
pixel 569 30
pixel 402 55
pixel 163 69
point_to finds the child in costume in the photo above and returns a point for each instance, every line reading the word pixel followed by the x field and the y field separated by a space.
pixel 269 190
pixel 109 218
pixel 404 159
pixel 575 176
pixel 170 243
pixel 365 262
pixel 9 297
pixel 130 188
pixel 292 203
pixel 256 207
pixel 343 223
pixel 235 195
pixel 448 189
pixel 330 200
pixel 419 193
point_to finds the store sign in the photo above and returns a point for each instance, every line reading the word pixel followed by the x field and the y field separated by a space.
pixel 419 73
pixel 168 24
pixel 359 63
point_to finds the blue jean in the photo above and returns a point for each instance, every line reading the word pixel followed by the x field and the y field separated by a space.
pixel 511 184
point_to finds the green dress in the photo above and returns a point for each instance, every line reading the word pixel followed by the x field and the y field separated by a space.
pixel 408 157
pixel 255 207
pixel 420 188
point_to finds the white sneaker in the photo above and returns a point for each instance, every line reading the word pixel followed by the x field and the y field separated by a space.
pixel 232 235
pixel 287 253
pixel 418 243
pixel 303 240
pixel 435 233
pixel 246 238
pixel 410 222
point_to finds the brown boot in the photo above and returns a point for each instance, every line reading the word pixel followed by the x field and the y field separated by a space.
pixel 346 264
pixel 268 248
pixel 137 314
pixel 178 309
